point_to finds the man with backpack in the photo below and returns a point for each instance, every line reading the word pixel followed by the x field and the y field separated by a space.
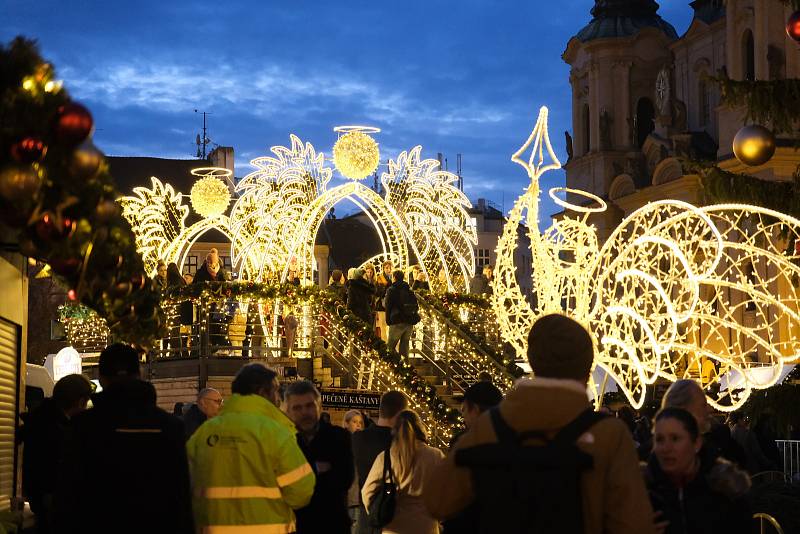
pixel 402 313
pixel 543 461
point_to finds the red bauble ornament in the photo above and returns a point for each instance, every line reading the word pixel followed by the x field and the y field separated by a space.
pixel 72 295
pixel 74 124
pixel 138 281
pixel 49 228
pixel 793 26
pixel 29 150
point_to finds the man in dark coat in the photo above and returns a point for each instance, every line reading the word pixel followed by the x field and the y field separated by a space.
pixel 360 294
pixel 327 449
pixel 125 466
pixel 209 402
pixel 43 435
pixel 373 440
pixel 398 318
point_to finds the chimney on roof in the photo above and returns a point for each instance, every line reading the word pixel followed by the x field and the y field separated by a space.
pixel 482 204
pixel 222 156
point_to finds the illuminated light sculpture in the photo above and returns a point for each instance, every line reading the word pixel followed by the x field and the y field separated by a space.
pixel 282 204
pixel 356 154
pixel 210 195
pixel 674 292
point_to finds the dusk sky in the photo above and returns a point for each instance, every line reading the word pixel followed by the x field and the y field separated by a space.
pixel 455 77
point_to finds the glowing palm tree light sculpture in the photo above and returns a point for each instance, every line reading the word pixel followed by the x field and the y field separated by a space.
pixel 673 287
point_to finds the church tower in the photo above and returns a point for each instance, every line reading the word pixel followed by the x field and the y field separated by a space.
pixel 617 61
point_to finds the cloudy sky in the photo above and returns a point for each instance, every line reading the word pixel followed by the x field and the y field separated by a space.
pixel 462 76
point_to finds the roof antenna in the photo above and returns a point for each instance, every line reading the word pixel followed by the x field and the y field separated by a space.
pixel 204 142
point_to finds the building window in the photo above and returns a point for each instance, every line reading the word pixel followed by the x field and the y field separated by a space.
pixel 481 258
pixel 645 120
pixel 704 103
pixel 226 262
pixel 748 56
pixel 191 265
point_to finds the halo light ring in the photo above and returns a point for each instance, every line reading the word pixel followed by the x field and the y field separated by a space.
pixel 575 207
pixel 357 128
pixel 213 172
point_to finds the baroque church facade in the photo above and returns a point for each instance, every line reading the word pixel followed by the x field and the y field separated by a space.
pixel 641 99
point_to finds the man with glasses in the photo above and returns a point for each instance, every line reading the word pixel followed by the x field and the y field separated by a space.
pixel 209 402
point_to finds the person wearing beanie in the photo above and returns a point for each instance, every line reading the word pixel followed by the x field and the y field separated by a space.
pixel 612 491
pixel 124 466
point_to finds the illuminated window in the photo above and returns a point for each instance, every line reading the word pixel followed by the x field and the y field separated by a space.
pixel 481 258
pixel 191 264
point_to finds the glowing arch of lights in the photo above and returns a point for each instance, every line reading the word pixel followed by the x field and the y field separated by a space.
pixel 674 291
pixel 280 206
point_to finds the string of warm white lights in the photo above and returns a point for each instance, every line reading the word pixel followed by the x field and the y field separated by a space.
pixel 676 291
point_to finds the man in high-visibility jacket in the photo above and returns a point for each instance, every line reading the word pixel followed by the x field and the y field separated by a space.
pixel 247 469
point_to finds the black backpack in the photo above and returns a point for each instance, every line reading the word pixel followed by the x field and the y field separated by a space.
pixel 530 488
pixel 409 307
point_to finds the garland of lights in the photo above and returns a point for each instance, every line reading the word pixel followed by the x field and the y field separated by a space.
pixel 673 287
pixel 362 333
pixel 84 328
pixel 444 304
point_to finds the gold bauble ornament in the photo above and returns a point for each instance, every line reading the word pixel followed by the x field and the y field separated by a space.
pixel 210 197
pixel 754 145
pixel 85 160
pixel 19 182
pixel 356 155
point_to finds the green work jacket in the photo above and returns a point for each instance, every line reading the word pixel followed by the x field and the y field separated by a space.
pixel 248 473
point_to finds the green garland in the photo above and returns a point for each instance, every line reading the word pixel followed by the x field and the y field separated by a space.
pixel 70 220
pixel 68 312
pixel 445 303
pixel 722 187
pixel 774 102
pixel 360 331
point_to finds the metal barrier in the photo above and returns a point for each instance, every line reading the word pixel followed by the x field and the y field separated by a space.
pixel 790 452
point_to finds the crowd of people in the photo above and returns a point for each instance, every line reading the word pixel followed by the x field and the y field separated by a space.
pixel 363 291
pixel 537 459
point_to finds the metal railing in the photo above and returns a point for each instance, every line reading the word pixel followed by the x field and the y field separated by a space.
pixel 789 450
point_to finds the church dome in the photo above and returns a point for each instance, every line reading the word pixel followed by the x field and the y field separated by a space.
pixel 624 18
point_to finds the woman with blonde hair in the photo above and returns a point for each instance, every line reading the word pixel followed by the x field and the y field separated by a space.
pixel 411 459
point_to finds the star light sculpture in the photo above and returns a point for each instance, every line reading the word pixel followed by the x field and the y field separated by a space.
pixel 676 291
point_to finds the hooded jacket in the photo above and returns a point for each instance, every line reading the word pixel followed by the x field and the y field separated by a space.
pixel 247 469
pixel 613 491
pixel 714 501
pixel 124 465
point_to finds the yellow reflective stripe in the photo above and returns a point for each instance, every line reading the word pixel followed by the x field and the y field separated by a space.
pixel 240 492
pixel 270 528
pixel 294 475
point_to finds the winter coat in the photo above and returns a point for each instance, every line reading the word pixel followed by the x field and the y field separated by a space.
pixel 713 502
pixel 417 285
pixel 338 289
pixel 382 283
pixel 367 445
pixel 747 440
pixel 203 275
pixel 192 420
pixel 331 456
pixel 396 295
pixel 613 492
pixel 43 435
pixel 410 516
pixel 124 465
pixel 247 469
pixel 480 285
pixel 360 294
